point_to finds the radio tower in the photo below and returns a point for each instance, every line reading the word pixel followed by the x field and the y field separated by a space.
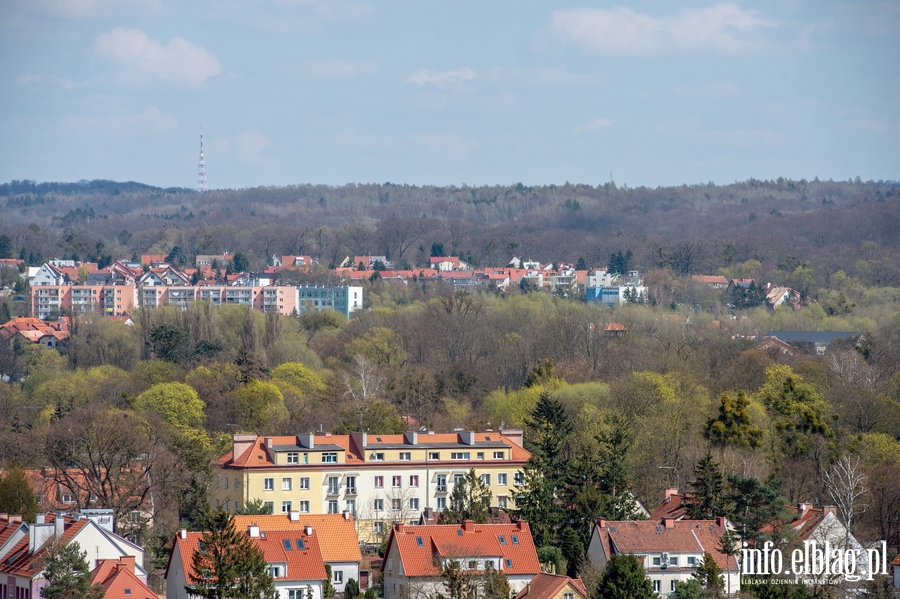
pixel 201 170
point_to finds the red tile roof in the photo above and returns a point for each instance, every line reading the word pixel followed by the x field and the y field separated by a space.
pixel 673 506
pixel 547 586
pixel 22 562
pixel 466 540
pixel 119 581
pixel 336 535
pixel 34 328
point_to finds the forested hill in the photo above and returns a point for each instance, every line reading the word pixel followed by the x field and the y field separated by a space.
pixel 689 228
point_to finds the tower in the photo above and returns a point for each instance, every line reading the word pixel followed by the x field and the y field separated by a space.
pixel 201 170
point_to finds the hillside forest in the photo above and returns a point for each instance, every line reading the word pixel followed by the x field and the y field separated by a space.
pixel 685 397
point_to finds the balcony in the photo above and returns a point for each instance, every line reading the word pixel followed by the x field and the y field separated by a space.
pixel 441 489
pixel 334 490
pixel 350 491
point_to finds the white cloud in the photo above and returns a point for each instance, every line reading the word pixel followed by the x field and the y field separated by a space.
pixel 542 76
pixel 333 69
pixel 622 31
pixel 179 61
pixel 442 79
pixel 593 126
pixel 445 142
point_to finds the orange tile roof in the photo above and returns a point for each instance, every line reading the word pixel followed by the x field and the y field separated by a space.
pixel 547 586
pixel 27 564
pixel 336 535
pixel 653 536
pixel 34 328
pixel 673 506
pixel 119 581
pixel 468 539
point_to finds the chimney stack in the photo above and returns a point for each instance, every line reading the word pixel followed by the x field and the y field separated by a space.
pixel 669 522
pixel 59 525
pixel 468 526
pixel 398 527
pixel 720 521
pixel 308 530
pixel 182 534
pixel 669 493
pixel 253 530
pixel 126 563
pixel 346 514
pixel 294 516
pixel 601 522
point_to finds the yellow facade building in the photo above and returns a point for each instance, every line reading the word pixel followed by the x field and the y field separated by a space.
pixel 379 479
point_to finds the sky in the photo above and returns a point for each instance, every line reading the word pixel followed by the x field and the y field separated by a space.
pixel 431 92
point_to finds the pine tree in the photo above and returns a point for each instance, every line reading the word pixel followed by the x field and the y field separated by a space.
pixel 615 444
pixel 624 578
pixel 495 584
pixel 709 575
pixel 228 564
pixel 69 576
pixel 710 498
pixel 468 501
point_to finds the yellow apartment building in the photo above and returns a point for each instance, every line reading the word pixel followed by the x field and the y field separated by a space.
pixel 379 479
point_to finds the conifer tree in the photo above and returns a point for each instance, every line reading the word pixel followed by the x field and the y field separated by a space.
pixel 69 576
pixel 710 497
pixel 624 578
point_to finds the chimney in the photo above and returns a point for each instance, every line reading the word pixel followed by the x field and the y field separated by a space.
pixel 346 514
pixel 427 513
pixel 468 526
pixel 801 508
pixel 182 534
pixel 829 509
pixel 308 530
pixel 294 516
pixel 669 493
pixel 601 522
pixel 398 527
pixel 669 522
pixel 59 525
pixel 269 442
pixel 522 525
pixel 240 444
pixel 306 440
pixel 720 521
pixel 411 438
pixel 513 435
pixel 126 563
pixel 253 531
pixel 38 534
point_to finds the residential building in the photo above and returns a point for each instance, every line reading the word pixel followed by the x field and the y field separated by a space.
pixel 336 535
pixel 282 300
pixel 111 300
pixel 119 579
pixel 25 547
pixel 293 557
pixel 812 342
pixel 35 330
pixel 343 299
pixel 554 586
pixel 415 555
pixel 379 479
pixel 668 549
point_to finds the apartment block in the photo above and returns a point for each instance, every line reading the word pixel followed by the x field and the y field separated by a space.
pixel 343 299
pixel 379 479
pixel 283 300
pixel 110 300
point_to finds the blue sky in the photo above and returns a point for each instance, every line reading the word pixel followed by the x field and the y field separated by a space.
pixel 430 92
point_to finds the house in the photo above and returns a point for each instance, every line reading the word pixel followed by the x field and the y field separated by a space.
pixel 25 547
pixel 335 533
pixel 379 479
pixel 293 557
pixel 668 549
pixel 119 579
pixel 615 330
pixel 35 330
pixel 714 281
pixel 811 342
pixel 778 296
pixel 674 505
pixel 554 586
pixel 415 555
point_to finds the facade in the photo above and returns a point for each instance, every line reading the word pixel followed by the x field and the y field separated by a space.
pixel 110 300
pixel 379 479
pixel 294 560
pixel 34 330
pixel 119 579
pixel 669 549
pixel 415 555
pixel 282 300
pixel 343 299
pixel 24 548
pixel 554 586
pixel 336 534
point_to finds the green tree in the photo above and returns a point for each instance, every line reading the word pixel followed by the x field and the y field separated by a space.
pixel 16 496
pixel 733 426
pixel 689 589
pixel 240 263
pixel 797 408
pixel 177 403
pixel 709 490
pixel 459 583
pixel 170 343
pixel 351 589
pixel 624 578
pixel 709 575
pixel 228 565
pixel 755 504
pixel 495 584
pixel 615 444
pixel 255 507
pixel 176 257
pixel 468 501
pixel 619 262
pixel 301 376
pixel 69 576
pixel 6 247
pixel 261 405
pixel 328 590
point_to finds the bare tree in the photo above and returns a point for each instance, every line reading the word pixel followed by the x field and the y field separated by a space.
pixel 845 483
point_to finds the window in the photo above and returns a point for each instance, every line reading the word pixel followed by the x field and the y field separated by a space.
pixel 459 455
pixel 486 479
pixel 657 586
pixel 397 481
pixel 441 504
pixel 672 585
pixel 420 541
pixel 502 539
pixel 236 479
pixel 414 503
pixel 269 506
pixel 498 455
pixel 413 480
pixel 287 544
pixel 673 561
pixel 275 571
pixel 395 504
pixel 68 498
pixel 405 456
pixel 434 455
pixel 480 455
pixel 656 561
pixel 285 507
pixel 515 539
pixel 692 561
pixel 304 507
pixel 473 564
pixel 379 482
pixel 296 594
pixel 378 527
pixel 441 483
pixel 333 485
pixel 508 563
pixel 304 483
pixel 332 506
pixel 568 595
pixel 293 458
pixel 337 576
pixel 350 483
pixel 329 458
pixel 351 506
pixel 269 484
pixel 519 478
pixel 502 501
pixel 379 505
pixel 378 456
pixel 286 484
pixel 501 479
pixel 457 478
pixel 226 482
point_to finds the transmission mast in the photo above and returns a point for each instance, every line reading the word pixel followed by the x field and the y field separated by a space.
pixel 201 170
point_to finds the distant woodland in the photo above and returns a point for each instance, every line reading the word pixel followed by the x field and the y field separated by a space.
pixel 684 396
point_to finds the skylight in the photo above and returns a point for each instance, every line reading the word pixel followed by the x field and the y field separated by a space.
pixel 515 539
pixel 459 532
pixel 420 542
pixel 508 563
pixel 300 544
pixel 287 544
pixel 502 539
